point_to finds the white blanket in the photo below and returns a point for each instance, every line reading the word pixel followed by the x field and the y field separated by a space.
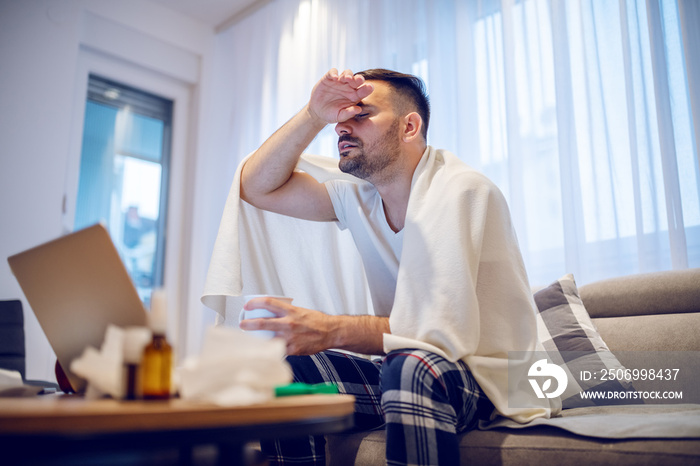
pixel 462 290
pixel 258 252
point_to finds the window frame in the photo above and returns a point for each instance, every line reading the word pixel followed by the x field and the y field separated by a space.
pixel 176 237
pixel 153 106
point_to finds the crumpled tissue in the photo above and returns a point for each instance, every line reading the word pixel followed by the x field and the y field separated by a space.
pixel 11 384
pixel 235 369
pixel 104 368
pixel 10 378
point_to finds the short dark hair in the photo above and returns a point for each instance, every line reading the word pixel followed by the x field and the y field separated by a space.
pixel 407 85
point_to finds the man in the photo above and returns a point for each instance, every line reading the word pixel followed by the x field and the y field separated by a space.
pixel 438 251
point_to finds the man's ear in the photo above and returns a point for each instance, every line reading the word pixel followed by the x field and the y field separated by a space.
pixel 413 123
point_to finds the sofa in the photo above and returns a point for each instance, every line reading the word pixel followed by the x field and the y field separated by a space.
pixel 654 312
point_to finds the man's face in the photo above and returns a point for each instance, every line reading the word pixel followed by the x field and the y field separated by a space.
pixel 369 142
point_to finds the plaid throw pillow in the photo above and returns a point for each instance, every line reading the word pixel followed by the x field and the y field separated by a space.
pixel 573 343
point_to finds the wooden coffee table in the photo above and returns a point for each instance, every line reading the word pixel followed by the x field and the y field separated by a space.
pixel 54 426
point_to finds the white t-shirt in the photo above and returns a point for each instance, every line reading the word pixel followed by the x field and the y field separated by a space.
pixel 359 208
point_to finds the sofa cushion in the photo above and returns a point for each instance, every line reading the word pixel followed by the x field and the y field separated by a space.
pixel 541 446
pixel 669 292
pixel 573 343
pixel 666 332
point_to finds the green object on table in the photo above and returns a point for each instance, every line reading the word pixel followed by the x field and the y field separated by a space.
pixel 305 389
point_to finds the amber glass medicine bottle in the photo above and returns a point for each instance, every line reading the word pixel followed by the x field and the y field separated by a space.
pixel 158 355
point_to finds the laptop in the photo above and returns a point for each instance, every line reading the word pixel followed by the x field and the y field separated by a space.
pixel 77 285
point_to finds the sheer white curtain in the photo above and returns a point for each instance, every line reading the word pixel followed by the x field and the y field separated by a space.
pixel 581 111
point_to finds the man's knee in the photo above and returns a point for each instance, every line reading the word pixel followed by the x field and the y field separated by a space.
pixel 408 369
pixel 412 378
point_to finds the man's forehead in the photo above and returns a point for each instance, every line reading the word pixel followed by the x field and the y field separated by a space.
pixel 380 97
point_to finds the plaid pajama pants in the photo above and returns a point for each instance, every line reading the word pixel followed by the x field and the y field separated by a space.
pixel 423 400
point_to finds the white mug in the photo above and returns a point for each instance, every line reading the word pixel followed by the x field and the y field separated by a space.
pixel 261 314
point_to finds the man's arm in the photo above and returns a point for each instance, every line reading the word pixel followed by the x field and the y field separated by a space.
pixel 307 331
pixel 268 179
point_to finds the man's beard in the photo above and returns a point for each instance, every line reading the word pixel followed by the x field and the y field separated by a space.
pixel 382 154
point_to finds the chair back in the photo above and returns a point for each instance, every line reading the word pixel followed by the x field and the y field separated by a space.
pixel 12 348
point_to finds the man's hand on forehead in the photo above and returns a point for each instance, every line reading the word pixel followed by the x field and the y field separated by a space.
pixel 334 98
pixel 346 77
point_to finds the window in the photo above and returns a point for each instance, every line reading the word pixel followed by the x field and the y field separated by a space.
pixel 124 175
pixel 601 182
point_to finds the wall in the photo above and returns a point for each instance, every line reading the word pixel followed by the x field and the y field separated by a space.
pixel 45 48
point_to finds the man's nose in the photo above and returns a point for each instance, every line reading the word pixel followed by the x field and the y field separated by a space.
pixel 343 128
